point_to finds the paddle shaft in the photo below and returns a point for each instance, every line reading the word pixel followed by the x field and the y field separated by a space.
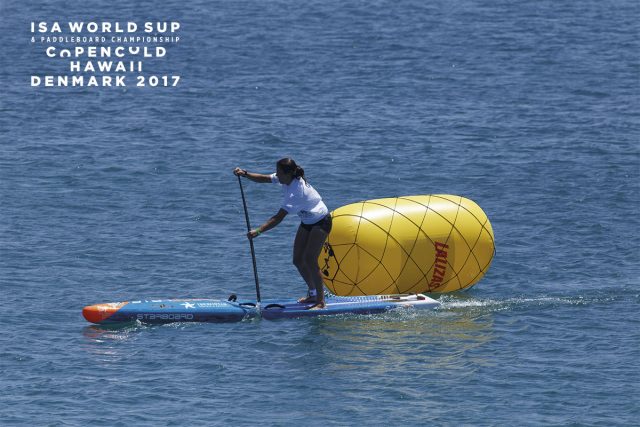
pixel 253 252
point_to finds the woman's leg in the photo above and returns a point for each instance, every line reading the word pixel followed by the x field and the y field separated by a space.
pixel 312 250
pixel 299 246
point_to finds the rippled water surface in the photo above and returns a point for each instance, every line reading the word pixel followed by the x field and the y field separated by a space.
pixel 531 109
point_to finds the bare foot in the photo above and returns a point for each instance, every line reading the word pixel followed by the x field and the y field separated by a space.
pixel 318 306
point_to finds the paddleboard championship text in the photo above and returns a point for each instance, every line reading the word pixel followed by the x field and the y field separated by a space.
pixel 105 54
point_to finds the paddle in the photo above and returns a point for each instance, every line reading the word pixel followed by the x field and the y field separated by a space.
pixel 253 252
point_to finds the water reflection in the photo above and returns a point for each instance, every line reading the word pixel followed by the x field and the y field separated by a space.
pixel 440 339
pixel 103 333
pixel 105 341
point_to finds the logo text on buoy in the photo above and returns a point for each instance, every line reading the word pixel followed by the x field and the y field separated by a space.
pixel 440 266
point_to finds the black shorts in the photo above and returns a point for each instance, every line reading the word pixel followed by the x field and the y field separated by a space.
pixel 324 223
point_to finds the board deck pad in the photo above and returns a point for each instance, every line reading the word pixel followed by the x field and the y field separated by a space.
pixel 347 305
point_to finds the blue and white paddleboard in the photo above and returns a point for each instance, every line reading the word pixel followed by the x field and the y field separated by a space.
pixel 233 310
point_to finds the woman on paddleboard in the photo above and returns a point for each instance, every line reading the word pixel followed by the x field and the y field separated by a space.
pixel 300 198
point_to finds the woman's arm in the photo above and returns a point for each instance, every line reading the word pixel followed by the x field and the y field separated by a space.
pixel 255 177
pixel 271 222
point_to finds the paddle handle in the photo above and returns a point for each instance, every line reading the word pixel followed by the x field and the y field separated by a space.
pixel 253 252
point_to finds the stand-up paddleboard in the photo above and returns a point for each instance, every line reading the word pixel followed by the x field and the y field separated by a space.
pixel 232 310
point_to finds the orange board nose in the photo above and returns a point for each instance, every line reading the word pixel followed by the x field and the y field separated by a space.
pixel 98 313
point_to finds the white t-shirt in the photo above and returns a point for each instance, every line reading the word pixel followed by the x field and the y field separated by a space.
pixel 301 198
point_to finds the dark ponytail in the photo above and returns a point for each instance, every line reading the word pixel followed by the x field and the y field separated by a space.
pixel 288 165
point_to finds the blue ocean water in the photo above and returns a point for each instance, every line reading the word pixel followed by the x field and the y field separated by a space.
pixel 531 109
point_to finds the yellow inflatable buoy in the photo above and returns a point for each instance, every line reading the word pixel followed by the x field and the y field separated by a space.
pixel 411 244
